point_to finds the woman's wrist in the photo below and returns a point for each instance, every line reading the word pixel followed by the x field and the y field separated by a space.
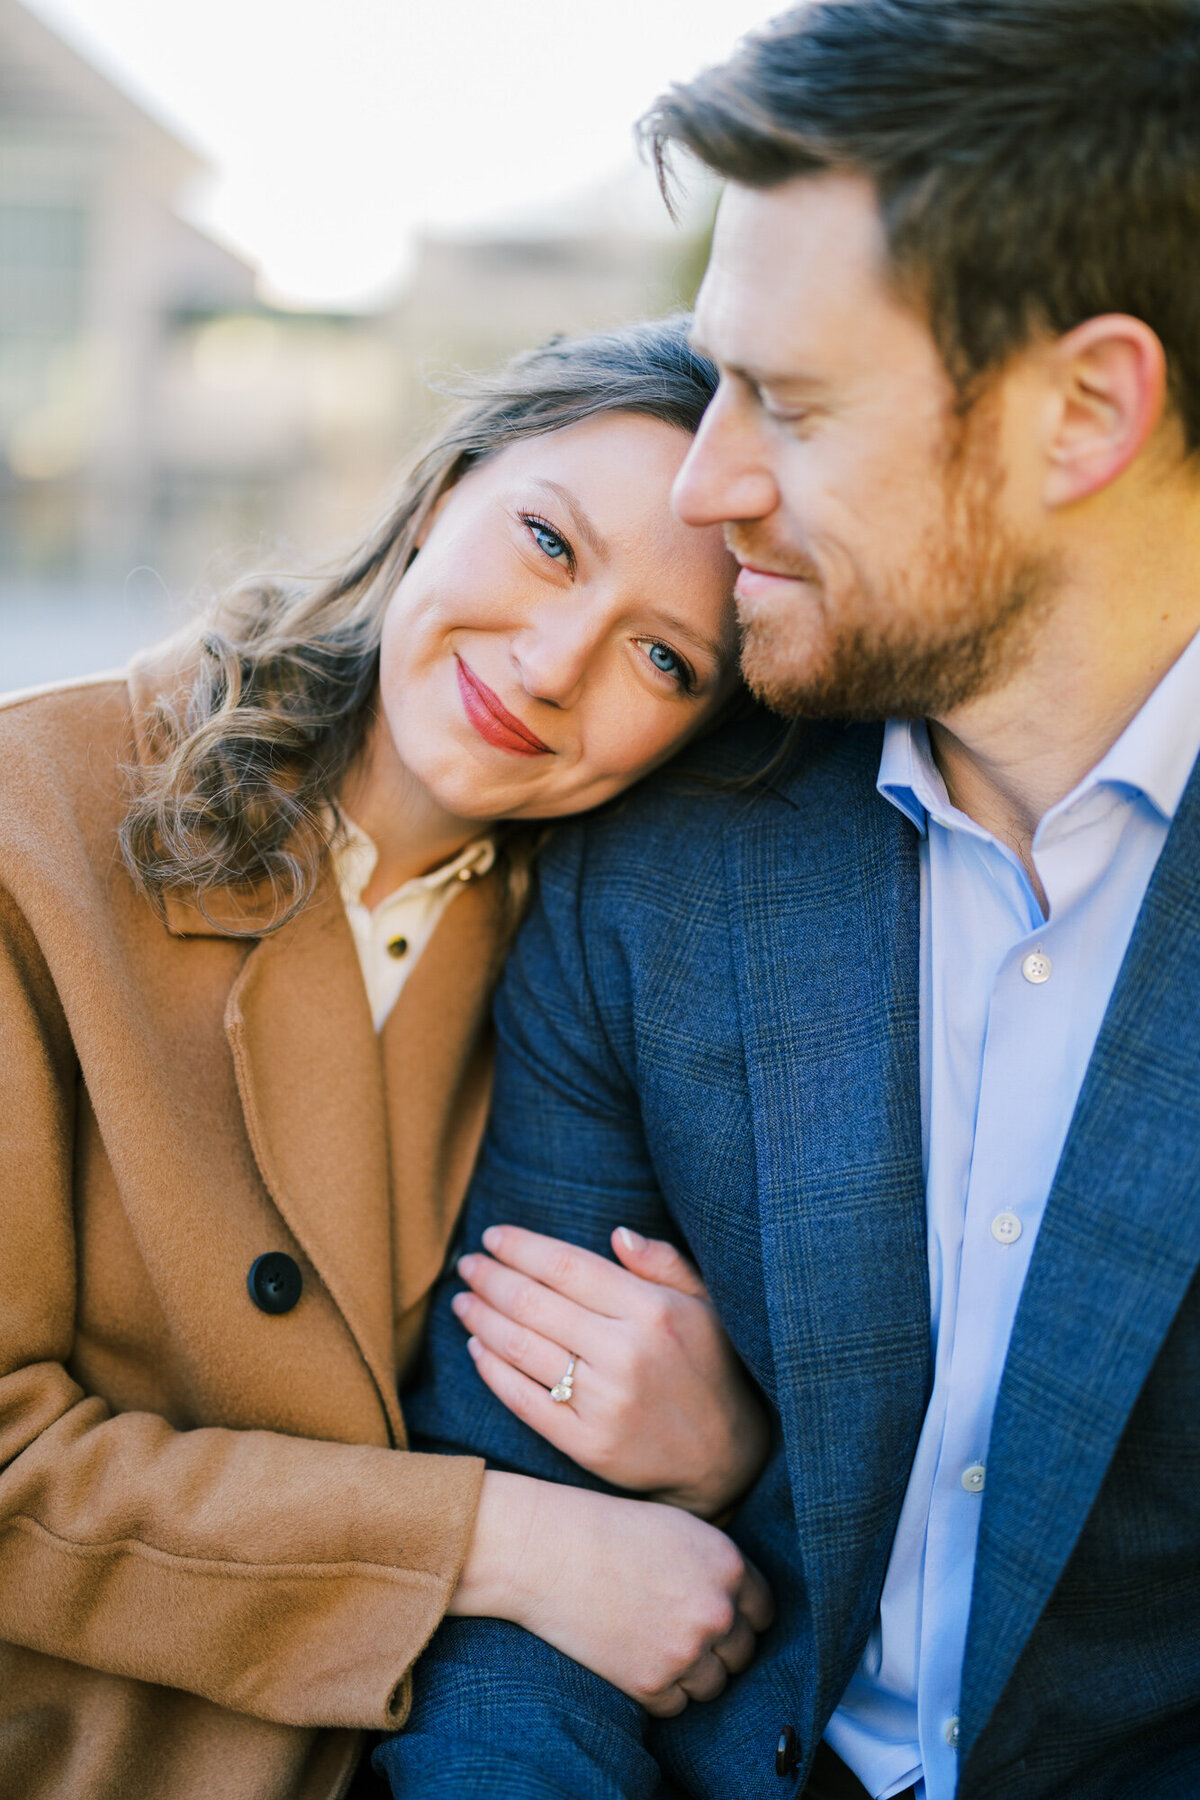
pixel 502 1541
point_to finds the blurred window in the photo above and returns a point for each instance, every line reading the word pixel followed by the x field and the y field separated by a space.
pixel 43 253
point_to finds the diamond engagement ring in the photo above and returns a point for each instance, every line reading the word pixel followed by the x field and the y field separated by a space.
pixel 564 1388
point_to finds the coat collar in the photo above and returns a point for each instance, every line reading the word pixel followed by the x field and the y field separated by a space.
pixel 1117 1249
pixel 167 672
pixel 824 893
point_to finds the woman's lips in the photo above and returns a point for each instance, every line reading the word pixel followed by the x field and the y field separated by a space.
pixel 492 719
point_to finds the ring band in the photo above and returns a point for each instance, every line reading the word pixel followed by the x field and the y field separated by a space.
pixel 565 1387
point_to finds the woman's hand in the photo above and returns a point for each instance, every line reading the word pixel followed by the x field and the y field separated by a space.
pixel 659 1401
pixel 659 1603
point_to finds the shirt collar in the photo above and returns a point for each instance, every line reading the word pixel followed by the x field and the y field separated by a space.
pixel 908 775
pixel 355 856
pixel 1153 756
pixel 1155 753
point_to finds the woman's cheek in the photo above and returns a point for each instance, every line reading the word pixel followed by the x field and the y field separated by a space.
pixel 621 756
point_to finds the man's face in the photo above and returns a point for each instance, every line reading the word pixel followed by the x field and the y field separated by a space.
pixel 890 564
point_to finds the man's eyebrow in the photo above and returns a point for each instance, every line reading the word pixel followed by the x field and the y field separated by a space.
pixel 579 518
pixel 756 377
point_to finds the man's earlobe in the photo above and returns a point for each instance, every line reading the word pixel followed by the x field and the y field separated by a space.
pixel 1111 373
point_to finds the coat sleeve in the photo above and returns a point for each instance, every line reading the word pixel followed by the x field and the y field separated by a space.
pixel 564 1154
pixel 278 1576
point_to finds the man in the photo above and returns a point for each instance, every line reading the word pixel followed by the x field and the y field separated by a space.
pixel 906 1043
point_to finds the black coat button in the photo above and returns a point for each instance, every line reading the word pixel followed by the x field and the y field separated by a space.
pixel 786 1757
pixel 275 1282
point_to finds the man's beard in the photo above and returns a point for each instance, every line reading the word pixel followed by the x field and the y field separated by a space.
pixel 952 626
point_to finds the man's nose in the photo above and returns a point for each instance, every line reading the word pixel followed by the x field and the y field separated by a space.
pixel 725 476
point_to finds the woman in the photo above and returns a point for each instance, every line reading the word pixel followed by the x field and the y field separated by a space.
pixel 251 903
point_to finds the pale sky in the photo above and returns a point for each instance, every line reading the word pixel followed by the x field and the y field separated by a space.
pixel 336 128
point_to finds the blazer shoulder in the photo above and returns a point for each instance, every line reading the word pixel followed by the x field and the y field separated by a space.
pixel 755 775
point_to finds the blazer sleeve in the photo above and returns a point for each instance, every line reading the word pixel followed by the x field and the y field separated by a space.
pixel 565 1155
pixel 278 1576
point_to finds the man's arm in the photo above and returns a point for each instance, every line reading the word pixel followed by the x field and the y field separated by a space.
pixel 564 1154
pixel 496 1710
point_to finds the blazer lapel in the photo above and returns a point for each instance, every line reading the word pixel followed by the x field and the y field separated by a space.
pixel 1117 1250
pixel 311 1083
pixel 824 892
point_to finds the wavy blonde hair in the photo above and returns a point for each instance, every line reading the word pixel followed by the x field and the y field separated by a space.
pixel 240 793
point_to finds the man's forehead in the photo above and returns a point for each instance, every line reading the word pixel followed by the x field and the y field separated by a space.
pixel 793 269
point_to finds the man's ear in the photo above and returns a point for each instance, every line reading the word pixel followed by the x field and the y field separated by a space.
pixel 1110 382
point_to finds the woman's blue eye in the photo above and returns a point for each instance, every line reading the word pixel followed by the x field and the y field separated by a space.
pixel 669 662
pixel 548 540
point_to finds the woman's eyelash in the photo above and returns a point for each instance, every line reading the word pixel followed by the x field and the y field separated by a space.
pixel 541 528
pixel 683 672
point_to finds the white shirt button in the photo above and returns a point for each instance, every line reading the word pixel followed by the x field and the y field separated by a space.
pixel 973 1478
pixel 1006 1228
pixel 950 1733
pixel 1036 967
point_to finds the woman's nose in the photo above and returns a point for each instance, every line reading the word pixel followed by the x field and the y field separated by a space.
pixel 726 476
pixel 552 656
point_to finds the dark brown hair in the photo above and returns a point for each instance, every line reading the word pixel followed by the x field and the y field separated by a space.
pixel 241 791
pixel 1037 162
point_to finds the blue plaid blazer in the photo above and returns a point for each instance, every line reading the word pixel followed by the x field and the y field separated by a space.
pixel 709 1030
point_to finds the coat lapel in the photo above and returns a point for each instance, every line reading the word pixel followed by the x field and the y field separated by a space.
pixel 1117 1250
pixel 311 1084
pixel 438 1067
pixel 824 889
pixel 366 1156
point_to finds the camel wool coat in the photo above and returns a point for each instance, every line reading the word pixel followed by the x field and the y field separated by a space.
pixel 218 1561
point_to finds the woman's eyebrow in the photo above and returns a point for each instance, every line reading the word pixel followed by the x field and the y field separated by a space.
pixel 579 519
pixel 680 628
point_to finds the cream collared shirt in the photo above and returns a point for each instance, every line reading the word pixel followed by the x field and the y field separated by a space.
pixel 390 937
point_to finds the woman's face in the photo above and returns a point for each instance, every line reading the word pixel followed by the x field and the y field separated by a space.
pixel 560 632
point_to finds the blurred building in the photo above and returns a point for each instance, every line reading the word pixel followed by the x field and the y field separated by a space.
pixel 161 429
pixel 94 265
pixel 605 256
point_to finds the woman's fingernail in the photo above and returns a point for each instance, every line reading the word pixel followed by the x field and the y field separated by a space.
pixel 632 1240
pixel 458 1305
pixel 473 1348
pixel 491 1238
pixel 465 1265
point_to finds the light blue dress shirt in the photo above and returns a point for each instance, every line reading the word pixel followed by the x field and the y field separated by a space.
pixel 1011 1003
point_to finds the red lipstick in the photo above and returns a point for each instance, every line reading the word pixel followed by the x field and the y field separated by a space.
pixel 492 719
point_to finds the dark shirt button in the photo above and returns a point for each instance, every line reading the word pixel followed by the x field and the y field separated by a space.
pixel 397 947
pixel 274 1282
pixel 785 1752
